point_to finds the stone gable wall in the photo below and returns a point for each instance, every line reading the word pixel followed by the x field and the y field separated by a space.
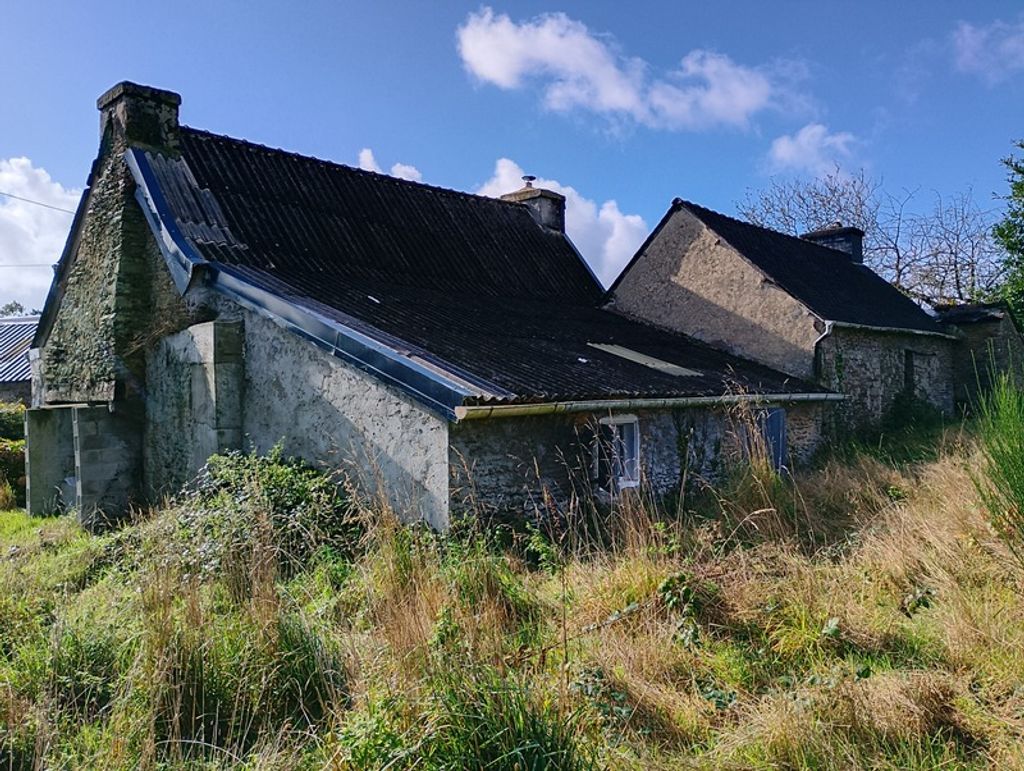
pixel 118 299
pixel 691 281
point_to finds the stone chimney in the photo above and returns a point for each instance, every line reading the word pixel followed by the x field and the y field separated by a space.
pixel 140 115
pixel 840 238
pixel 546 206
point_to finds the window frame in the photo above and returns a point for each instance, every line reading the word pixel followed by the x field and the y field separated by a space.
pixel 632 460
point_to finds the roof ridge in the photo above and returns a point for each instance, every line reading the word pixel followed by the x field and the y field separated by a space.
pixel 771 231
pixel 356 169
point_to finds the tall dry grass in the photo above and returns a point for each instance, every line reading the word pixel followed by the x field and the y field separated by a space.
pixel 858 614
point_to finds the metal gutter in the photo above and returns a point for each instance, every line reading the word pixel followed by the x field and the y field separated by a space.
pixel 429 387
pixel 895 330
pixel 602 405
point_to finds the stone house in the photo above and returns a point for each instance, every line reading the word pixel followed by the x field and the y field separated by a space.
pixel 445 349
pixel 805 306
pixel 989 342
pixel 16 334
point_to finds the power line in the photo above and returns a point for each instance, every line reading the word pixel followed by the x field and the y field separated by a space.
pixel 37 203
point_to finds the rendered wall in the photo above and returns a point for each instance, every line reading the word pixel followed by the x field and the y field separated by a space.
pixel 691 281
pixel 49 461
pixel 194 382
pixel 337 417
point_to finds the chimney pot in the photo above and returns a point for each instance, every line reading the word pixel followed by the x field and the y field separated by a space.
pixel 836 236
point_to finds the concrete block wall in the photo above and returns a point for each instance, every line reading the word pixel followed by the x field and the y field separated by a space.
pixel 49 461
pixel 108 461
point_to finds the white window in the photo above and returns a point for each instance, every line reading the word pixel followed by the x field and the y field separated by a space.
pixel 616 453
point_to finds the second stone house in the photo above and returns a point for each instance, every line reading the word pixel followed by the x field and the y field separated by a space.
pixel 805 306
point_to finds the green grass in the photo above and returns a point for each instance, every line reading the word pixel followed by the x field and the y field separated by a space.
pixel 260 621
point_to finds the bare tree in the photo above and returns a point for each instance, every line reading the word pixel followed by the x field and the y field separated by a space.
pixel 939 256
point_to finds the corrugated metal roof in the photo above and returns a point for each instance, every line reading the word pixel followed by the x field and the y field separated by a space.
pixel 15 340
pixel 468 284
pixel 248 205
pixel 825 280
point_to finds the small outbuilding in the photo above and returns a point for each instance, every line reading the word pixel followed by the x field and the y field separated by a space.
pixel 990 343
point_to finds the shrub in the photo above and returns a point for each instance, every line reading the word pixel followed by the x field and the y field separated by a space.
pixel 1001 483
pixel 12 473
pixel 241 502
pixel 12 421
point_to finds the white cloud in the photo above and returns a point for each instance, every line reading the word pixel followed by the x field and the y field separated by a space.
pixel 606 237
pixel 812 149
pixel 368 162
pixel 580 69
pixel 992 51
pixel 405 171
pixel 31 236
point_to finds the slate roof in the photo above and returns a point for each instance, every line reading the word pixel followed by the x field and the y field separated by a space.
pixel 469 285
pixel 15 340
pixel 825 280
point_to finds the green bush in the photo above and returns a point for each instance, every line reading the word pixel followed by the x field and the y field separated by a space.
pixel 12 472
pixel 12 421
pixel 1001 483
pixel 241 502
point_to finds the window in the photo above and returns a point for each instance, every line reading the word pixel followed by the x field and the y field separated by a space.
pixel 616 453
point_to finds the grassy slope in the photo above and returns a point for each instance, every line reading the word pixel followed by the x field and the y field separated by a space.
pixel 888 635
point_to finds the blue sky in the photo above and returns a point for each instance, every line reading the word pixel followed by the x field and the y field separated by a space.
pixel 629 105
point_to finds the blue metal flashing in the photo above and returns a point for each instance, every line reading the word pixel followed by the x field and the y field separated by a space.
pixel 430 388
pixel 181 257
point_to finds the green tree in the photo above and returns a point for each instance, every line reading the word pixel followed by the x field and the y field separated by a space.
pixel 1010 231
pixel 12 308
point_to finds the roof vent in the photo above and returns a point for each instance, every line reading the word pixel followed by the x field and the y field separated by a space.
pixel 841 238
pixel 529 179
